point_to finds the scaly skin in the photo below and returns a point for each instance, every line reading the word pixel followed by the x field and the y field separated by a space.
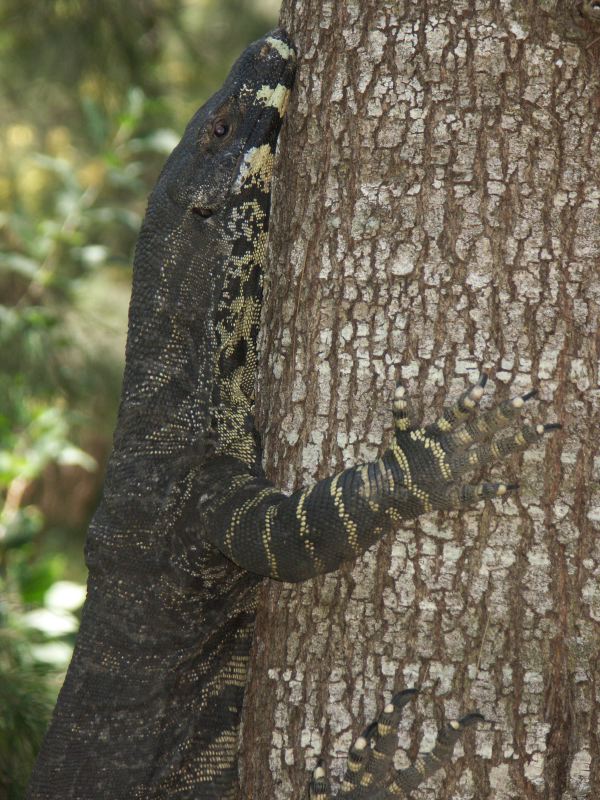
pixel 151 704
pixel 188 524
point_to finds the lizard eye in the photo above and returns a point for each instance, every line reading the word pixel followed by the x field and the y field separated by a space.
pixel 221 128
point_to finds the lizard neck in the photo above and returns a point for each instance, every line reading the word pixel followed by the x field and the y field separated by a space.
pixel 238 314
pixel 179 266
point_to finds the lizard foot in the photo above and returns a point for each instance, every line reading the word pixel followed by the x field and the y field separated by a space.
pixel 371 775
pixel 434 458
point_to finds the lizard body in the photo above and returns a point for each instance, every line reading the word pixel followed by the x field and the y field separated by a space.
pixel 151 703
pixel 188 523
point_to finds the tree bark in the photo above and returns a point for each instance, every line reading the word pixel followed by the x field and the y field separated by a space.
pixel 437 213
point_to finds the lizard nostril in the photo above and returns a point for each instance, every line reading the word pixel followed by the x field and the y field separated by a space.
pixel 202 211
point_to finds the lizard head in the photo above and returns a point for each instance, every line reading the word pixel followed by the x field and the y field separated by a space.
pixel 228 145
pixel 206 218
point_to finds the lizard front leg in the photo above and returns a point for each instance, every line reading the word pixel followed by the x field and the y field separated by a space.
pixel 316 529
pixel 370 774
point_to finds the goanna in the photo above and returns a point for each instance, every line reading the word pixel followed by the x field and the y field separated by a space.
pixel 188 525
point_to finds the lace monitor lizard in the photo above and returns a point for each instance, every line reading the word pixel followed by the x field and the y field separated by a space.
pixel 188 525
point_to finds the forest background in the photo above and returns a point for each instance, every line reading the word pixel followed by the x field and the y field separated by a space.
pixel 93 96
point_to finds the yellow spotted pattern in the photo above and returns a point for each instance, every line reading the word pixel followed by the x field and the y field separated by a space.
pixel 238 314
pixel 350 526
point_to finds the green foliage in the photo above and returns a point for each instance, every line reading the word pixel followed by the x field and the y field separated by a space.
pixel 94 95
pixel 26 699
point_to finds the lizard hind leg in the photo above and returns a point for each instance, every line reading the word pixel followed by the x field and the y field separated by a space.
pixel 369 758
pixel 319 788
pixel 370 773
pixel 405 781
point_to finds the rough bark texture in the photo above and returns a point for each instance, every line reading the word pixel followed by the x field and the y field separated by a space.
pixel 438 212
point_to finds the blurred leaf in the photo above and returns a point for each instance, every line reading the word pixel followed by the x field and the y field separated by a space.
pixel 60 166
pixel 26 703
pixel 22 527
pixel 35 580
pixel 19 263
pixel 121 216
pixel 160 141
pixel 57 654
pixel 50 622
pixel 93 254
pixel 65 595
pixel 96 123
pixel 76 457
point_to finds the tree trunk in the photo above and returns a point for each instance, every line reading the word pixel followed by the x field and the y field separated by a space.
pixel 437 214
